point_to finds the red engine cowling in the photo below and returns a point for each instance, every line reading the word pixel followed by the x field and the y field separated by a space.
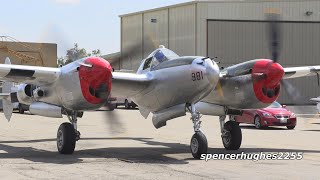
pixel 95 80
pixel 266 77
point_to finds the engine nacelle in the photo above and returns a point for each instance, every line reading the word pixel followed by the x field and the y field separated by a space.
pixel 216 110
pixel 25 94
pixel 46 110
pixel 160 118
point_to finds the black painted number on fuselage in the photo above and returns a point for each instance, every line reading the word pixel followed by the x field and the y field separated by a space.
pixel 197 76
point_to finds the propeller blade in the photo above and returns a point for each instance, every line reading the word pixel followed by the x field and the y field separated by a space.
pixel 112 119
pixel 135 49
pixel 274 34
pixel 292 92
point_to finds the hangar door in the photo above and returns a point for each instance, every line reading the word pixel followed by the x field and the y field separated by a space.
pixel 238 41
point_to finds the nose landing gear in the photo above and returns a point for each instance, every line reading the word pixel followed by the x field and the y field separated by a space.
pixel 198 143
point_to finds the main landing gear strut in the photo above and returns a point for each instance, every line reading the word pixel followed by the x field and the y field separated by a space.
pixel 199 143
pixel 68 134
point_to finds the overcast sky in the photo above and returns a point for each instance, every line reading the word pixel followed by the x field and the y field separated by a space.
pixel 93 24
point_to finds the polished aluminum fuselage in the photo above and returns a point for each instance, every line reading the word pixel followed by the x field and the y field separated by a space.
pixel 173 84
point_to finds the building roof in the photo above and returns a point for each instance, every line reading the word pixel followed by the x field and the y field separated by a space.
pixel 208 1
pixel 113 57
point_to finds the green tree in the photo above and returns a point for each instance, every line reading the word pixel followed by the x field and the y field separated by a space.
pixel 76 53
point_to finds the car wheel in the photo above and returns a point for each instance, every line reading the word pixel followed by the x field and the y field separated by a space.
pixel 126 104
pixel 291 127
pixel 257 122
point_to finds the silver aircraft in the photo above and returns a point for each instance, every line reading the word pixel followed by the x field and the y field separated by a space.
pixel 164 85
pixel 317 100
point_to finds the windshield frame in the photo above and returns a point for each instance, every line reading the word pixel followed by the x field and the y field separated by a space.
pixel 275 104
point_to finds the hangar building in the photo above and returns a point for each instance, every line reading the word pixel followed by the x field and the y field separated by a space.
pixel 234 31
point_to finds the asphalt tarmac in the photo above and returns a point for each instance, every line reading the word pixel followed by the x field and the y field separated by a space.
pixel 124 145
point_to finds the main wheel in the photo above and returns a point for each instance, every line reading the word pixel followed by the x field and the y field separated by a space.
pixel 126 104
pixel 257 122
pixel 291 127
pixel 66 138
pixel 231 136
pixel 198 145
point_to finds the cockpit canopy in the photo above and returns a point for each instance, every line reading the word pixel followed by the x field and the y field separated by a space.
pixel 157 57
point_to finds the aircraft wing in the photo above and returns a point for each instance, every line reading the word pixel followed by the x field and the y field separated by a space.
pixel 28 74
pixel 316 99
pixel 295 72
pixel 129 84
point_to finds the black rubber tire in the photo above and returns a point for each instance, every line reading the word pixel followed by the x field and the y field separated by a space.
pixel 126 104
pixel 257 118
pixel 21 110
pixel 200 140
pixel 235 136
pixel 66 138
pixel 291 127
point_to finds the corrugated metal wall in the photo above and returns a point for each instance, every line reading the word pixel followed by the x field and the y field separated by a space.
pixel 131 37
pixel 174 28
pixel 238 41
pixel 155 31
pixel 182 29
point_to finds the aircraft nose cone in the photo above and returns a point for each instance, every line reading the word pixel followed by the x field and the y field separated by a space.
pixel 213 71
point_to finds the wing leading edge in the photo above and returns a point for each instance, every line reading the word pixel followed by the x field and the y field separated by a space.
pixel 28 74
pixel 295 72
pixel 129 84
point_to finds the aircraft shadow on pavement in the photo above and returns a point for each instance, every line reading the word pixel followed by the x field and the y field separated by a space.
pixel 267 128
pixel 152 155
pixel 119 109
pixel 313 130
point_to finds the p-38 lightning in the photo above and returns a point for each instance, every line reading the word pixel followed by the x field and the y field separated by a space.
pixel 165 85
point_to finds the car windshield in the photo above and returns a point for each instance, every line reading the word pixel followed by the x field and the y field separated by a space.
pixel 275 105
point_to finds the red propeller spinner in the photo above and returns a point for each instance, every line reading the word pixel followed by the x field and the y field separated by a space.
pixel 266 75
pixel 95 80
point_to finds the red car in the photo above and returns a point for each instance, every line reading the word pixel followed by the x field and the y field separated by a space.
pixel 273 115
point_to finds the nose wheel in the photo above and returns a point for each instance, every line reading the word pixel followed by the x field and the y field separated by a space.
pixel 67 135
pixel 198 143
